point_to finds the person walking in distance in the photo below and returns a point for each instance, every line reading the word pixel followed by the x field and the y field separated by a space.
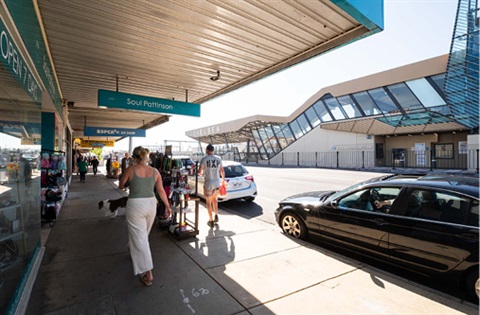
pixel 82 168
pixel 79 158
pixel 126 161
pixel 212 169
pixel 141 210
pixel 95 163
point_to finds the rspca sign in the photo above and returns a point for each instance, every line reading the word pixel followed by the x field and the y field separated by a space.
pixel 121 100
pixel 113 132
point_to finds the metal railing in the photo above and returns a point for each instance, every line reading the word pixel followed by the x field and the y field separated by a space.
pixel 428 160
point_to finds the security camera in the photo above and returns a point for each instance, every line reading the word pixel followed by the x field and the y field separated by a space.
pixel 216 77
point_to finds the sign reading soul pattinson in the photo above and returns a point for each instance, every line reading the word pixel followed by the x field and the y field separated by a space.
pixel 121 100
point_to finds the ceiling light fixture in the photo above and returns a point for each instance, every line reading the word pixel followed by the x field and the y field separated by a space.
pixel 216 77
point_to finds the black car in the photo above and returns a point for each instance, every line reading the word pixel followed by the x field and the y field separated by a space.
pixel 428 224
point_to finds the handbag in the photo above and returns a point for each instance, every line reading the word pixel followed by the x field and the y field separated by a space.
pixel 222 190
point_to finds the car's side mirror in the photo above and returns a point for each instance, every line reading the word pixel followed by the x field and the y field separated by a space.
pixel 334 204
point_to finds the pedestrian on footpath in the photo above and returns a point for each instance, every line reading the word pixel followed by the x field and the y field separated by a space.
pixel 109 166
pixel 141 210
pixel 126 161
pixel 82 168
pixel 79 158
pixel 95 163
pixel 212 169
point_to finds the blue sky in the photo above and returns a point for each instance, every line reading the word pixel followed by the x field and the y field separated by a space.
pixel 414 30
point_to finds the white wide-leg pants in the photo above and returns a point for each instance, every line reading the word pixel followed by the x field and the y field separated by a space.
pixel 140 214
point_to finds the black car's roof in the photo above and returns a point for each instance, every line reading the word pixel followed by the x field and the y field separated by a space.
pixel 458 183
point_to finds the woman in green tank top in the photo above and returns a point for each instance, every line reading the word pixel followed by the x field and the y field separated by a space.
pixel 141 210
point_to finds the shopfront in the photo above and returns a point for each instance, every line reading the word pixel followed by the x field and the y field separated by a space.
pixel 30 124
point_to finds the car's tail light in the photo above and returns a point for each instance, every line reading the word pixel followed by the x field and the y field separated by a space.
pixel 249 177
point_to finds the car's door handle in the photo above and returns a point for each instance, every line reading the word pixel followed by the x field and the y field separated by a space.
pixel 470 237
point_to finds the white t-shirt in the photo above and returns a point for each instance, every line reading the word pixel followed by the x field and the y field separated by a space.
pixel 211 171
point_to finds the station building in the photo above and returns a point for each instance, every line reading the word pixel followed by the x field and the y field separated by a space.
pixel 421 115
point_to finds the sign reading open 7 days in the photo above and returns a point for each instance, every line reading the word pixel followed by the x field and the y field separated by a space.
pixel 121 100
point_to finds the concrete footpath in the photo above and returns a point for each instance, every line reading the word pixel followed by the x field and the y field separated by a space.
pixel 240 266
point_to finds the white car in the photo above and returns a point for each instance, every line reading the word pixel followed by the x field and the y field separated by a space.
pixel 240 183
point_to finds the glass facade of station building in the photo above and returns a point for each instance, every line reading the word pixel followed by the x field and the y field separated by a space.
pixel 442 108
pixel 416 102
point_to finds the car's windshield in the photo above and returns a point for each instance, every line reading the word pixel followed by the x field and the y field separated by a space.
pixel 235 170
pixel 346 190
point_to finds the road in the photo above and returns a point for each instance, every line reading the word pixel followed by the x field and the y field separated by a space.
pixel 274 184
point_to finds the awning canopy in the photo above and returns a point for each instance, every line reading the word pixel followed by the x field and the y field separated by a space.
pixel 184 50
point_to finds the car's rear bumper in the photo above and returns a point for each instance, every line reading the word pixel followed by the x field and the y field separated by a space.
pixel 250 192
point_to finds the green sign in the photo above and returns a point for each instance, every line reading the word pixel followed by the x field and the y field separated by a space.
pixel 14 62
pixel 113 99
pixel 25 19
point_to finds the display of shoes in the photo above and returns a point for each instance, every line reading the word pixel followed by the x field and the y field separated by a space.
pixel 216 218
pixel 210 223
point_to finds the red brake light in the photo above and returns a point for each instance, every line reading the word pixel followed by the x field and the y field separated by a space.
pixel 249 177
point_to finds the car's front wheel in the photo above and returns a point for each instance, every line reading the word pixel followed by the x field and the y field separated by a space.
pixel 292 225
pixel 473 285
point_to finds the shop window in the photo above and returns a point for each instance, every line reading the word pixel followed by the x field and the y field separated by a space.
pixel 379 151
pixel 20 199
pixel 444 151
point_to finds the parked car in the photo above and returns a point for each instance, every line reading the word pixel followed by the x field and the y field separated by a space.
pixel 187 162
pixel 240 183
pixel 429 224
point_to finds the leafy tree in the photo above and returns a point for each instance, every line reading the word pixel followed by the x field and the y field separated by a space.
pixel 97 152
